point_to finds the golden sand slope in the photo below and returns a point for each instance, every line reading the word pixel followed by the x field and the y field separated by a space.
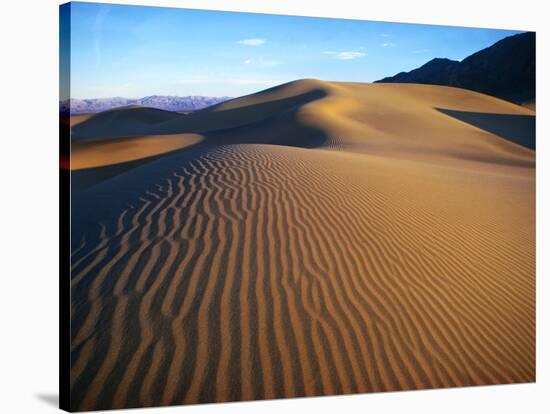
pixel 77 119
pixel 102 152
pixel 397 254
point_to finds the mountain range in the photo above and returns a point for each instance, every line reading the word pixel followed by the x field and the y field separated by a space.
pixel 167 103
pixel 505 70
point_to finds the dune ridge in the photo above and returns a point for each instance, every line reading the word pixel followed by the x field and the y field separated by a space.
pixel 373 118
pixel 321 238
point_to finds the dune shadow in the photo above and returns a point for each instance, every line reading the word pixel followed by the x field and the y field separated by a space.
pixel 121 122
pixel 88 177
pixel 269 122
pixel 50 399
pixel 519 129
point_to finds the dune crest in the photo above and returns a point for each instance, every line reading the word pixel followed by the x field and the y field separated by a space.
pixel 395 120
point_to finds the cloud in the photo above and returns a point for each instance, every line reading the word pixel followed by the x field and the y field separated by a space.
pixel 385 35
pixel 421 51
pixel 252 42
pixel 388 44
pixel 263 63
pixel 348 55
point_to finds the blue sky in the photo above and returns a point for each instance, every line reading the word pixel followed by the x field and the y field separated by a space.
pixel 135 51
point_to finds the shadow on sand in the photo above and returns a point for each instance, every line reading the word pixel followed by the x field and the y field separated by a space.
pixel 519 129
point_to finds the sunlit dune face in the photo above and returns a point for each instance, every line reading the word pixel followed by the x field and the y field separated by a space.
pixel 90 154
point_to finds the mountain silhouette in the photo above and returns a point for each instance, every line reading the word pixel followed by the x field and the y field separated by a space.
pixel 505 70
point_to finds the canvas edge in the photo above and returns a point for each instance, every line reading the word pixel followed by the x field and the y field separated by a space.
pixel 64 210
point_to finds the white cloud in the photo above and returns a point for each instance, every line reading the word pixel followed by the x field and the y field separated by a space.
pixel 388 44
pixel 385 35
pixel 263 63
pixel 421 51
pixel 252 42
pixel 347 55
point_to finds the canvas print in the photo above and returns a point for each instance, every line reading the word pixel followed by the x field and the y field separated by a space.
pixel 261 206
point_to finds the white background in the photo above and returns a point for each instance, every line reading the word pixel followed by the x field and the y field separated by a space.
pixel 29 205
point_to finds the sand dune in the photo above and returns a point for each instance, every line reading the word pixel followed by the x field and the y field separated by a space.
pixel 102 152
pixel 531 104
pixel 395 120
pixel 126 121
pixel 321 238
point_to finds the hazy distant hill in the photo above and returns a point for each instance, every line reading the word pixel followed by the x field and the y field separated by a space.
pixel 505 70
pixel 167 103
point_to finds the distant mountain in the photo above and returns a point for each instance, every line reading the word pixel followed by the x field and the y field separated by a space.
pixel 505 70
pixel 167 103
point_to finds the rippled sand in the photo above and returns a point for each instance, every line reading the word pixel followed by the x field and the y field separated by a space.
pixel 315 238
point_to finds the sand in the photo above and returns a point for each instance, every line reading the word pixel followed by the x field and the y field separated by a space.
pixel 102 152
pixel 318 238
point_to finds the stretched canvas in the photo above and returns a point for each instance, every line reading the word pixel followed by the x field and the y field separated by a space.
pixel 257 206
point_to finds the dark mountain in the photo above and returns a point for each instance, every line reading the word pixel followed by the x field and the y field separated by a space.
pixel 167 103
pixel 505 70
pixel 437 72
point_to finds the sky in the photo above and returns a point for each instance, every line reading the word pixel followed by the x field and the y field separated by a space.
pixel 136 51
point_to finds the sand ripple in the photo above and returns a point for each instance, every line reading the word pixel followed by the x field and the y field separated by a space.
pixel 261 271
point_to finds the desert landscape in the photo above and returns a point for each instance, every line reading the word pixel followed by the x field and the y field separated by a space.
pixel 314 238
